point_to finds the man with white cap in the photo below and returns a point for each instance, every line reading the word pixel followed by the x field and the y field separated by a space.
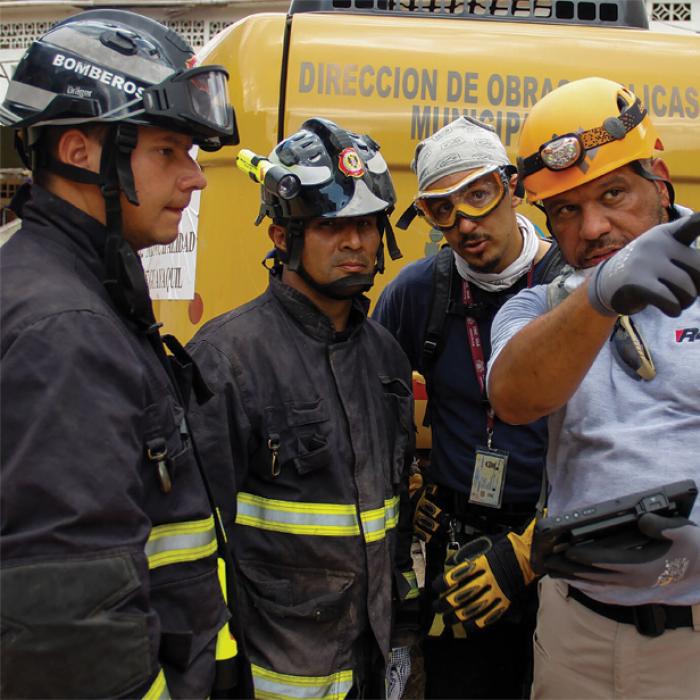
pixel 484 476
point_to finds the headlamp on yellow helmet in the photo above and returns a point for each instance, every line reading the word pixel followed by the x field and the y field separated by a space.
pixel 579 132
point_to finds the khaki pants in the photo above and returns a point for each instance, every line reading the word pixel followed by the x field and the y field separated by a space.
pixel 581 654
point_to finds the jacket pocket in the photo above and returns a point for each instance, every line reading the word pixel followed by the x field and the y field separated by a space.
pixel 75 628
pixel 191 611
pixel 298 620
pixel 295 435
pixel 398 402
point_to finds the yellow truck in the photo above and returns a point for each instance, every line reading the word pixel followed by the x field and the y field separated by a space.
pixel 399 71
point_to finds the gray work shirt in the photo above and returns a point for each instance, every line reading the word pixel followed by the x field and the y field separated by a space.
pixel 618 435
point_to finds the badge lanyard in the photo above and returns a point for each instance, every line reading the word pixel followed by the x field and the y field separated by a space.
pixel 477 352
pixel 490 465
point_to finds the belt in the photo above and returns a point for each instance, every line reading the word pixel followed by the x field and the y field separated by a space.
pixel 651 620
pixel 475 517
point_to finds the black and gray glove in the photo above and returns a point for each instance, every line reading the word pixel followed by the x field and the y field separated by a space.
pixel 485 578
pixel 658 268
pixel 427 515
pixel 669 554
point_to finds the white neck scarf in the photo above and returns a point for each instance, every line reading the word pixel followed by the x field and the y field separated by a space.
pixel 497 281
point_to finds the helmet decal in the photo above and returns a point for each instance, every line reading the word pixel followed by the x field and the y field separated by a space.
pixel 350 164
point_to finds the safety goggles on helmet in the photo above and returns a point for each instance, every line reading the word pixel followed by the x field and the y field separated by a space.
pixel 472 198
pixel 568 150
pixel 196 98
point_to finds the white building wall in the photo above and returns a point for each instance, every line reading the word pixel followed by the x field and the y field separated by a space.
pixel 23 20
pixel 674 15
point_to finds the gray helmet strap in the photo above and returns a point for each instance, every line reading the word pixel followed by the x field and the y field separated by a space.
pixel 124 277
pixel 294 239
pixel 391 244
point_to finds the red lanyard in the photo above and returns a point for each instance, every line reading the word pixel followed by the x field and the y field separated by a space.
pixel 477 351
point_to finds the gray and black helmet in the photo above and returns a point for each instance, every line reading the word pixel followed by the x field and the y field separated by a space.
pixel 117 66
pixel 339 174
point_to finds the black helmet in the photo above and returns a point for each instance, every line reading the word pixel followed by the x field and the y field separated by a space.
pixel 118 66
pixel 339 174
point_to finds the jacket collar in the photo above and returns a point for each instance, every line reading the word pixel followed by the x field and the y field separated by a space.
pixel 312 320
pixel 57 220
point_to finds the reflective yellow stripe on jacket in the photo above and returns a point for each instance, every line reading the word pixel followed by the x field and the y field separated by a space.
pixel 178 542
pixel 375 523
pixel 320 519
pixel 281 686
pixel 159 689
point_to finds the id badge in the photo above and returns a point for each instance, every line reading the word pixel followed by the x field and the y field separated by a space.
pixel 489 477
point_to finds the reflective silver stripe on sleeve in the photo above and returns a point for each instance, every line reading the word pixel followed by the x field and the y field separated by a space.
pixel 179 542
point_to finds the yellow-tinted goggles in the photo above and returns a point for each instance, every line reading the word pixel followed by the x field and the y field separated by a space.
pixel 470 198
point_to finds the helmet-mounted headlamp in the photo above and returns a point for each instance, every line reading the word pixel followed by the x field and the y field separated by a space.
pixel 277 179
pixel 565 151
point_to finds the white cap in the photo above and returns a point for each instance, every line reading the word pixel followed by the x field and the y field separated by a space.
pixel 464 144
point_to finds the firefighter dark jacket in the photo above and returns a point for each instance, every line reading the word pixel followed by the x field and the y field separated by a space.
pixel 308 440
pixel 109 584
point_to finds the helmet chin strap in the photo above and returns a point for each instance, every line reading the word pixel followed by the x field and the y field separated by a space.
pixel 342 289
pixel 124 280
pixel 124 277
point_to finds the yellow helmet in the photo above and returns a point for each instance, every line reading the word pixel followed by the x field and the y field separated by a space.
pixel 580 131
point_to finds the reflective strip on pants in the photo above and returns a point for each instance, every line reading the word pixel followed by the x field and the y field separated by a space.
pixel 179 542
pixel 281 686
pixel 159 689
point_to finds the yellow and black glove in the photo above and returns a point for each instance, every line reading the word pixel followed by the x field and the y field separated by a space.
pixel 426 517
pixel 485 578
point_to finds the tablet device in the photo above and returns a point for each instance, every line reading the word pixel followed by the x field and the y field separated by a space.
pixel 614 518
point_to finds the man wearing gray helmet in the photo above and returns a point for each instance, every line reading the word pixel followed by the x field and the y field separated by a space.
pixel 310 433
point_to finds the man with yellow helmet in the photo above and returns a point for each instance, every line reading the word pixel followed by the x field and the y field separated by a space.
pixel 607 351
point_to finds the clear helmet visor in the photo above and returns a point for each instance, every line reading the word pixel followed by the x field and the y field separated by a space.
pixel 471 197
pixel 196 99
pixel 209 98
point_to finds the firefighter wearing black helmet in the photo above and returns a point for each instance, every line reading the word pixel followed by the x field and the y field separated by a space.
pixel 310 432
pixel 111 585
